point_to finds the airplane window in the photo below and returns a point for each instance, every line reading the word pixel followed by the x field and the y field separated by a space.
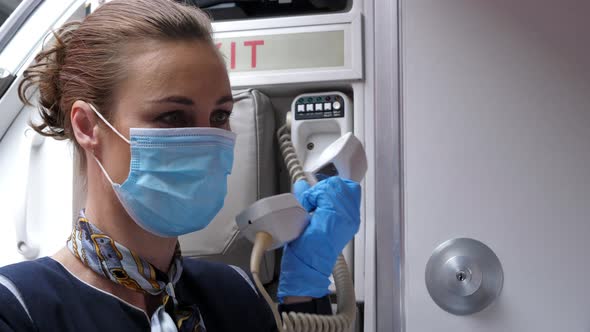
pixel 13 14
pixel 6 8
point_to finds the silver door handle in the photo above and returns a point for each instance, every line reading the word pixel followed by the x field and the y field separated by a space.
pixel 464 276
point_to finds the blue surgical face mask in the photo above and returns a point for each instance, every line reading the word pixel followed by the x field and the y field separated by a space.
pixel 177 179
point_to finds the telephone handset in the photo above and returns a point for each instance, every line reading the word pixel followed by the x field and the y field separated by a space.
pixel 270 223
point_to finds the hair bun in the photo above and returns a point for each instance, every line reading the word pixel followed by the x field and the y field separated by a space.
pixel 45 74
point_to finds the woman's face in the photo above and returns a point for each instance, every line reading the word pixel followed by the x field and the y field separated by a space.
pixel 168 85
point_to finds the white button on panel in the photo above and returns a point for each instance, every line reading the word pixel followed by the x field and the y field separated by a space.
pixel 300 108
pixel 337 105
pixel 318 107
pixel 309 107
pixel 328 106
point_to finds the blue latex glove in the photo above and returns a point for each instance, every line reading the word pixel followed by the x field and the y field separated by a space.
pixel 308 261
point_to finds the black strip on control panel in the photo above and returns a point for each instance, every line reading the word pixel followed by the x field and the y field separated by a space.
pixel 319 107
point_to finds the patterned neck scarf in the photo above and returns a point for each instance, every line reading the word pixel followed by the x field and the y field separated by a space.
pixel 122 266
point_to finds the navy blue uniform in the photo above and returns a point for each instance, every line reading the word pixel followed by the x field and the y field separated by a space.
pixel 55 300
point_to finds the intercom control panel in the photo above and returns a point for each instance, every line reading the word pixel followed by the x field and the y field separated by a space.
pixel 320 107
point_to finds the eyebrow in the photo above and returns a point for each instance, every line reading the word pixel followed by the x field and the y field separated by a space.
pixel 176 99
pixel 189 102
pixel 225 99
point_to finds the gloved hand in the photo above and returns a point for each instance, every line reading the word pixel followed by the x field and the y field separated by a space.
pixel 308 261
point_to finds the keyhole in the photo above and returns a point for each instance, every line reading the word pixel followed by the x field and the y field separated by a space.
pixel 461 275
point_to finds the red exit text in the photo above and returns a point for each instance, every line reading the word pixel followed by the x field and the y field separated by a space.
pixel 252 44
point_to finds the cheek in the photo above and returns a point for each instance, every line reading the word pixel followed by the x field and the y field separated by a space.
pixel 121 156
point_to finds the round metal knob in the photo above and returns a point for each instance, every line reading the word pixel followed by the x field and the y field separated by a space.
pixel 464 276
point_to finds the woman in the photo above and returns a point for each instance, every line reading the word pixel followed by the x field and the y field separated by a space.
pixel 141 90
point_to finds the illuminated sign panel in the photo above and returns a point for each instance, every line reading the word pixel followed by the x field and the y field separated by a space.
pixel 306 50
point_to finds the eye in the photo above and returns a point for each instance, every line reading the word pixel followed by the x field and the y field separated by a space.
pixel 219 118
pixel 173 119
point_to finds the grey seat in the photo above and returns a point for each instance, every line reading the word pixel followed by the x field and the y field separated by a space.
pixel 254 176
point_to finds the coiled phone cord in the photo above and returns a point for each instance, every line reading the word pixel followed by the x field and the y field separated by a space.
pixel 289 155
pixel 346 299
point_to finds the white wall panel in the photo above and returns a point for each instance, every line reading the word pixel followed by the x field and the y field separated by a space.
pixel 497 148
pixel 51 212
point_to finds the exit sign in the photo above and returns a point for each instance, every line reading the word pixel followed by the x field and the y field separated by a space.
pixel 283 51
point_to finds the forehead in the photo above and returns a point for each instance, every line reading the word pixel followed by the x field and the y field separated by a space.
pixel 159 69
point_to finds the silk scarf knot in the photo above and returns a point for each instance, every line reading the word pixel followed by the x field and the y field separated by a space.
pixel 112 260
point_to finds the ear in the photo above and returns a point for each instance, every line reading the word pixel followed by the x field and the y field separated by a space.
pixel 84 125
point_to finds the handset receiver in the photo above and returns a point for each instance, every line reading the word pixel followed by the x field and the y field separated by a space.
pixel 281 216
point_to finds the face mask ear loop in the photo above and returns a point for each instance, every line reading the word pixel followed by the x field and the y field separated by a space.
pixel 108 124
pixel 103 170
pixel 116 132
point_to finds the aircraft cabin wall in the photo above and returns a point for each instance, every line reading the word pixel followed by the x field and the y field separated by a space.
pixel 37 173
